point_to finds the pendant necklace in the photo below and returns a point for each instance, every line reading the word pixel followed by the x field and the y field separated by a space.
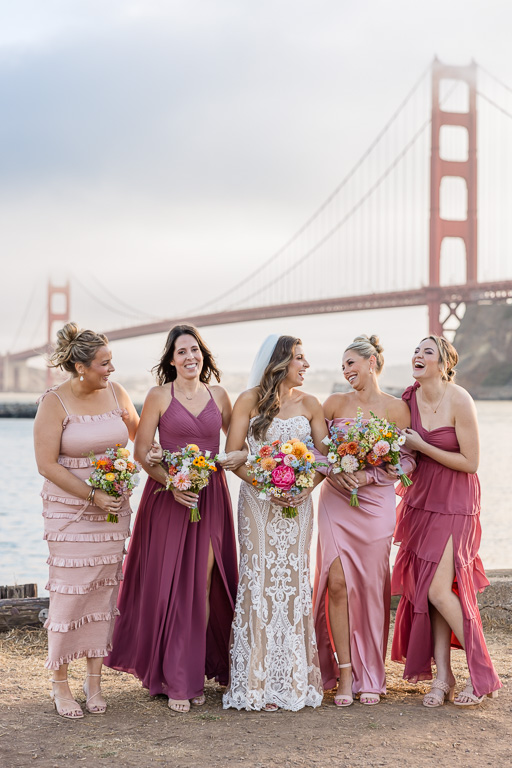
pixel 186 396
pixel 439 403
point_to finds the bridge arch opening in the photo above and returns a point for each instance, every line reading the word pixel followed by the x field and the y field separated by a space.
pixel 453 198
pixel 454 143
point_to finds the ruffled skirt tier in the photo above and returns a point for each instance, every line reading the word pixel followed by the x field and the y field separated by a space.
pixel 426 535
pixel 85 569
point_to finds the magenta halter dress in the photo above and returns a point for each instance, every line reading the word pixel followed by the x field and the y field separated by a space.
pixel 441 503
pixel 161 635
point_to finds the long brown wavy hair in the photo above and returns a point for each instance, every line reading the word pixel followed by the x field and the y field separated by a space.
pixel 269 403
pixel 165 371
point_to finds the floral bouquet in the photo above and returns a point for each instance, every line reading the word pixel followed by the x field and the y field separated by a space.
pixel 114 474
pixel 374 441
pixel 189 470
pixel 283 469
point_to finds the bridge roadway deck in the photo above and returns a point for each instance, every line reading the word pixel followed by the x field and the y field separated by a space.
pixel 490 292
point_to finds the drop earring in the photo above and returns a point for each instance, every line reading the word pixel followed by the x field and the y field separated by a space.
pixel 81 377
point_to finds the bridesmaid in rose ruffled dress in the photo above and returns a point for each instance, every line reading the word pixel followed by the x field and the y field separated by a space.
pixel 180 577
pixel 85 414
pixel 352 586
pixel 438 571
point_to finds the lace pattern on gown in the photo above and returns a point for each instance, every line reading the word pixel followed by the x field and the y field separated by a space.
pixel 274 657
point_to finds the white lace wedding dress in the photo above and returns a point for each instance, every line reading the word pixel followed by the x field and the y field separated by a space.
pixel 274 656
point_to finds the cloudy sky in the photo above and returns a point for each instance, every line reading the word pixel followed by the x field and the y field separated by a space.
pixel 155 152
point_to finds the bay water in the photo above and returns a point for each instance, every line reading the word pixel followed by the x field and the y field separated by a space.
pixel 23 552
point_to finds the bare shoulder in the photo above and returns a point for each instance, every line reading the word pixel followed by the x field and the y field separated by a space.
pixel 121 393
pixel 336 404
pixel 219 394
pixel 158 396
pixel 50 407
pixel 311 403
pixel 396 408
pixel 460 397
pixel 249 398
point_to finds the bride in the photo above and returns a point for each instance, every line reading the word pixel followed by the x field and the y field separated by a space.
pixel 273 655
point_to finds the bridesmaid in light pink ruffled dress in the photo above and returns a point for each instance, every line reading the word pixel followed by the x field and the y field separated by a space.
pixel 352 585
pixel 85 414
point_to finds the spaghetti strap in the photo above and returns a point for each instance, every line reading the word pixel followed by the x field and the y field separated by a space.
pixel 172 388
pixel 209 391
pixel 53 392
pixel 114 393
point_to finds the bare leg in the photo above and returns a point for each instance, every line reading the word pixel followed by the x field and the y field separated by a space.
pixel 95 703
pixel 338 619
pixel 198 701
pixel 446 617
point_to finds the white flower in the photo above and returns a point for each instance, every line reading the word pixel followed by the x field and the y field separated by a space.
pixel 120 464
pixel 326 440
pixel 332 457
pixel 395 446
pixel 349 463
pixel 401 440
pixel 262 495
pixel 135 479
pixel 336 470
pixel 222 456
pixel 207 454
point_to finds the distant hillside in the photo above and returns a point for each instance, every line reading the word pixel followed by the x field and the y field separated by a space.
pixel 484 343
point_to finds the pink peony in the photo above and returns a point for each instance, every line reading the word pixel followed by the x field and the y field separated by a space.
pixel 283 477
pixel 381 448
pixel 287 461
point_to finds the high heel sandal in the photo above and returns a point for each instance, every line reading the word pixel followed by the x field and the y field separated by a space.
pixel 344 699
pixel 55 697
pixel 437 694
pixel 474 701
pixel 99 709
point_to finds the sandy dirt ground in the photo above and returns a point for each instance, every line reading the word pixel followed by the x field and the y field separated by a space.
pixel 142 732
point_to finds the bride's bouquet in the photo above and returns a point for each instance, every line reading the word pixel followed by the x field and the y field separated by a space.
pixel 373 442
pixel 189 469
pixel 115 474
pixel 282 469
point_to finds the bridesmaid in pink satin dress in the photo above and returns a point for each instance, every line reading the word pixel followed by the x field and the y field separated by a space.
pixel 438 570
pixel 352 585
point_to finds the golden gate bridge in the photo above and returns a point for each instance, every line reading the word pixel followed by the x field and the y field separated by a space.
pixel 422 219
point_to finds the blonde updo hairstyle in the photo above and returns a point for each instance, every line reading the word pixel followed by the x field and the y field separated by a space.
pixel 448 356
pixel 75 345
pixel 366 346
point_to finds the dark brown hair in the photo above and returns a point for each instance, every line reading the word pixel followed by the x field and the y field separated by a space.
pixel 269 403
pixel 165 371
pixel 75 345
pixel 448 356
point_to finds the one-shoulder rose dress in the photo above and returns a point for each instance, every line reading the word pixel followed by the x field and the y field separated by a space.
pixel 361 538
pixel 86 551
pixel 161 636
pixel 442 502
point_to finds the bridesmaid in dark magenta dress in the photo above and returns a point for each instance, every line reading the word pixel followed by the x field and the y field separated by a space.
pixel 438 571
pixel 180 578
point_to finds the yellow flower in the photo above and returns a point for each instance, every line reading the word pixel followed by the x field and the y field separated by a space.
pixel 299 449
pixel 110 477
pixel 193 447
pixel 123 453
pixel 197 461
pixel 309 456
pixel 286 448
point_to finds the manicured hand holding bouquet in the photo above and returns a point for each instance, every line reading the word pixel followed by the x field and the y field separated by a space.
pixel 283 469
pixel 189 470
pixel 373 442
pixel 114 474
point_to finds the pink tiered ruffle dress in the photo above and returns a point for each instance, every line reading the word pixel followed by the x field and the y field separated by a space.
pixel 441 503
pixel 86 552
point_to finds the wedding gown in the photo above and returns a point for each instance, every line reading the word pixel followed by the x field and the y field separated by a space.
pixel 273 655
